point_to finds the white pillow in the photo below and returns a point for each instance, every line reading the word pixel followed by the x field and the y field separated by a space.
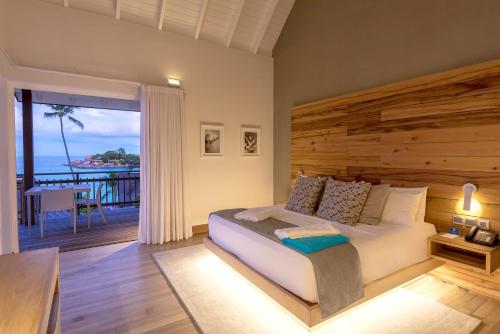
pixel 420 215
pixel 401 207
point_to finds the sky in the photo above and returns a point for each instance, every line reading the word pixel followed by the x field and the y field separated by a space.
pixel 104 130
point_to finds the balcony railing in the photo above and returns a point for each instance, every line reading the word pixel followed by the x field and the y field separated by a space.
pixel 120 188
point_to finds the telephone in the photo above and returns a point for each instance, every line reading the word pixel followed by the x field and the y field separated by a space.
pixel 482 237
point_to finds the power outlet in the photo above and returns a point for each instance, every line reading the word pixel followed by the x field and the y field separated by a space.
pixel 483 224
pixel 457 219
pixel 470 221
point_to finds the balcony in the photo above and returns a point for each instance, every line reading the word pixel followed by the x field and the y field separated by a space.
pixel 120 198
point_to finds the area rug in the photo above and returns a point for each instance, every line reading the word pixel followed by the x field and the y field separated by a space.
pixel 223 301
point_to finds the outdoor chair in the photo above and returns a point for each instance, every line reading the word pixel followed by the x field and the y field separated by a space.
pixel 95 202
pixel 54 200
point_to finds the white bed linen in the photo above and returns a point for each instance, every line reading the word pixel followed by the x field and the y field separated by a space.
pixel 383 249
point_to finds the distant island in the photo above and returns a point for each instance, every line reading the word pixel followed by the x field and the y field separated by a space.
pixel 109 159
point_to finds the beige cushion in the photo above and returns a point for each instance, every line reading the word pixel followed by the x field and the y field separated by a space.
pixel 374 205
pixel 401 207
pixel 420 215
pixel 342 202
pixel 305 194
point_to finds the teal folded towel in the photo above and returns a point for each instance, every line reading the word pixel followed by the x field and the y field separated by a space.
pixel 313 244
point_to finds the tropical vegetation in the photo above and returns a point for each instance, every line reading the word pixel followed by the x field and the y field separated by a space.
pixel 64 112
pixel 119 157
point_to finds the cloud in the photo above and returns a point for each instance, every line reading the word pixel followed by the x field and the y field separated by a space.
pixel 102 122
pixel 19 117
pixel 104 130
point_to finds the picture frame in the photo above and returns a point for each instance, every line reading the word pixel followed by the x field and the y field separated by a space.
pixel 250 141
pixel 212 140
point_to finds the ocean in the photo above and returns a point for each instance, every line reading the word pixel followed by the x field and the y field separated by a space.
pixel 55 164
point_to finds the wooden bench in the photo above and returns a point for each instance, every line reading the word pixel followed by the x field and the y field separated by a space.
pixel 29 292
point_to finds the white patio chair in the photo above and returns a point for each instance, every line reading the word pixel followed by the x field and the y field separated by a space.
pixel 53 200
pixel 96 201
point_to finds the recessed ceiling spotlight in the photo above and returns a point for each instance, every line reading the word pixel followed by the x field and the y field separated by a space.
pixel 174 82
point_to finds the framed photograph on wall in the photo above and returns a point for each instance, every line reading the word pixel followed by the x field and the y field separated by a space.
pixel 250 141
pixel 212 140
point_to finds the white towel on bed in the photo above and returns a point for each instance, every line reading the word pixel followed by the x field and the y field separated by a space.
pixel 313 230
pixel 256 214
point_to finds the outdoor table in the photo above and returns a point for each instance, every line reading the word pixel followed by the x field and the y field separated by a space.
pixel 37 190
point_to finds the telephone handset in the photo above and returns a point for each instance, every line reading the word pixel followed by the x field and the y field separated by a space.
pixel 481 237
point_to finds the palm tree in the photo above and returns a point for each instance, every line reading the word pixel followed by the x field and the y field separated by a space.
pixel 61 112
pixel 121 153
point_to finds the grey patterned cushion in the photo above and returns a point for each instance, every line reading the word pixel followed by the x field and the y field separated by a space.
pixel 305 195
pixel 343 201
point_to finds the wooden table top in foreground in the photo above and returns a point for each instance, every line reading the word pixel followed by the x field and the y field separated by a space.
pixel 27 284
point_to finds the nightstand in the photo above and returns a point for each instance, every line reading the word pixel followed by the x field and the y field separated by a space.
pixel 464 254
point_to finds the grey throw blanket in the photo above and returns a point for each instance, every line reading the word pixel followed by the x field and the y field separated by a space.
pixel 337 269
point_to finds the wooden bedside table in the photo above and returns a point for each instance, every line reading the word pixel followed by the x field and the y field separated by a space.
pixel 464 254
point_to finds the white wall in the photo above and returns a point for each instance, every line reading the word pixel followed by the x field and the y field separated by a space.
pixel 3 30
pixel 221 84
pixel 61 82
pixel 4 61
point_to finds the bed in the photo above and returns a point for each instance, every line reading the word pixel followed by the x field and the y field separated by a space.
pixel 288 277
pixel 379 248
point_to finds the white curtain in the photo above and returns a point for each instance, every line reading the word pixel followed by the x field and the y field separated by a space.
pixel 8 201
pixel 164 212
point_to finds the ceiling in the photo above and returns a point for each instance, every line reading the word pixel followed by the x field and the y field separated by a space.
pixel 251 25
pixel 80 100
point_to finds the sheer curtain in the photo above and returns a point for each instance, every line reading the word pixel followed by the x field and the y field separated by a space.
pixel 164 212
pixel 8 193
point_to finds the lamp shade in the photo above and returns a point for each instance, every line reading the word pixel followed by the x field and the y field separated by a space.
pixel 468 188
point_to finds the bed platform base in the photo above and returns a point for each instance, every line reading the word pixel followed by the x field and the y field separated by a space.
pixel 307 312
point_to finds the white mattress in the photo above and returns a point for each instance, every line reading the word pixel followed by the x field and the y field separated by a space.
pixel 382 249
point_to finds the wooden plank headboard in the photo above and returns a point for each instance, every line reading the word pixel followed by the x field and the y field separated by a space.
pixel 441 131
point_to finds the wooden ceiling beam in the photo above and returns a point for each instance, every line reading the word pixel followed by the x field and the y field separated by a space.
pixel 161 17
pixel 118 5
pixel 200 19
pixel 265 24
pixel 234 23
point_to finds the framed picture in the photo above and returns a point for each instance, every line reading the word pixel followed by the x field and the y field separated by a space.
pixel 212 140
pixel 250 141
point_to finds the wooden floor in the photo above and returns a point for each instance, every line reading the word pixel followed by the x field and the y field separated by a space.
pixel 122 226
pixel 119 289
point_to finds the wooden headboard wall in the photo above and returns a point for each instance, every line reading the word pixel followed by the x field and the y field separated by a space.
pixel 440 131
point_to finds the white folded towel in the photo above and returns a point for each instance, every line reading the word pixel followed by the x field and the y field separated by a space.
pixel 312 230
pixel 256 214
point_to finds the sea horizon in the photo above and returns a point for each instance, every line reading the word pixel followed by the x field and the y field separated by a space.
pixel 56 164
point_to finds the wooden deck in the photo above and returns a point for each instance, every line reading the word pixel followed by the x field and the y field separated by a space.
pixel 122 226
